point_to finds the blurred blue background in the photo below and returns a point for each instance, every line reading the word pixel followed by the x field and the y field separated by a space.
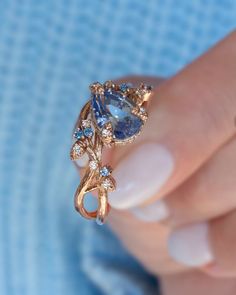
pixel 50 51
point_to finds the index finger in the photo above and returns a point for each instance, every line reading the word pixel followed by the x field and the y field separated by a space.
pixel 191 117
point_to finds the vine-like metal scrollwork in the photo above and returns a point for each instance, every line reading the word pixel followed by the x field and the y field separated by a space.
pixel 96 177
pixel 114 115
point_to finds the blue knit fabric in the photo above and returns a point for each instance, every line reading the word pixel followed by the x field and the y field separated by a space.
pixel 50 51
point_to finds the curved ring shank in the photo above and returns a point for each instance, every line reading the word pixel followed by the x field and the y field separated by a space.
pixel 82 190
pixel 85 184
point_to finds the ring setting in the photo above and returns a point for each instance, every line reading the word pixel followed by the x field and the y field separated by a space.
pixel 114 115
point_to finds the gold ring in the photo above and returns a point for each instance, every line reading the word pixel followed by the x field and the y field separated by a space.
pixel 114 115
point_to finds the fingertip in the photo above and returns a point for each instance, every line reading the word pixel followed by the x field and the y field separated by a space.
pixel 155 212
pixel 190 246
pixel 141 174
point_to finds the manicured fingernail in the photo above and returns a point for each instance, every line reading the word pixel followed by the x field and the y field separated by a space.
pixel 189 245
pixel 141 175
pixel 152 213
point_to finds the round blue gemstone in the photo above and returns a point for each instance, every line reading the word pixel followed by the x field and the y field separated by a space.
pixel 88 132
pixel 78 134
pixel 124 86
pixel 105 171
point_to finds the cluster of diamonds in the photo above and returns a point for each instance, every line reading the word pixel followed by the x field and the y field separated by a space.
pixel 84 142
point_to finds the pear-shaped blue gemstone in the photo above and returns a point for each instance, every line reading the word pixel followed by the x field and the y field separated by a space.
pixel 115 108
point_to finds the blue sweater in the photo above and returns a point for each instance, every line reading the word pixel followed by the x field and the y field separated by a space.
pixel 49 53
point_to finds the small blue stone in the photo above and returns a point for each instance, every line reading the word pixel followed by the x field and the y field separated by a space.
pixel 105 171
pixel 101 121
pixel 78 134
pixel 125 86
pixel 88 132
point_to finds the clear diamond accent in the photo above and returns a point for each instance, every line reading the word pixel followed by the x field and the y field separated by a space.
pixel 142 110
pixel 86 123
pixel 106 133
pixel 93 165
pixel 106 183
pixel 77 149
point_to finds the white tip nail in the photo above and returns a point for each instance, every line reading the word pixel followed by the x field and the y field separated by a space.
pixel 152 213
pixel 189 245
pixel 141 175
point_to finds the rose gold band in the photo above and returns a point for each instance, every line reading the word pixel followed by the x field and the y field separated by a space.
pixel 91 138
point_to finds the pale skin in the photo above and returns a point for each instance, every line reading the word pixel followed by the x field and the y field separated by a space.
pixel 199 104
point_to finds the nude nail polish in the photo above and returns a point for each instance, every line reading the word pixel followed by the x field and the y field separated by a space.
pixel 141 175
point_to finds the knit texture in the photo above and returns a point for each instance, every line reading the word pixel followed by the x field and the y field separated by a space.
pixel 50 51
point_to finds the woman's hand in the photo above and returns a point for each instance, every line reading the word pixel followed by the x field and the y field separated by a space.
pixel 175 203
